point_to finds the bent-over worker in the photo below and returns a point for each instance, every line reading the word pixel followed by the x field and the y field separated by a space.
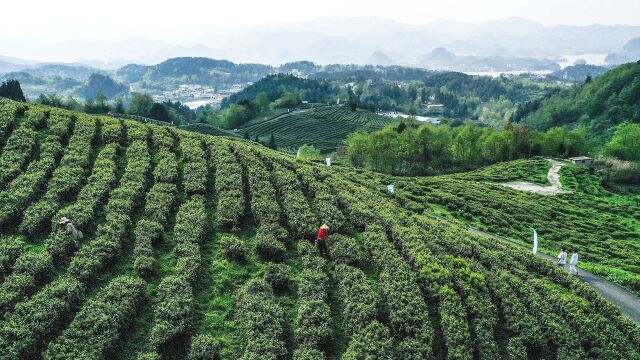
pixel 321 240
pixel 70 230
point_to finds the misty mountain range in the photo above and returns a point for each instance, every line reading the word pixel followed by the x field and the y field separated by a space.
pixel 500 45
pixel 357 40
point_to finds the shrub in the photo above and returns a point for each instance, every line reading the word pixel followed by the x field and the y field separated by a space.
pixel 345 250
pixel 173 312
pixel 404 302
pixel 167 168
pixel 195 167
pixel 29 270
pixel 262 319
pixel 313 283
pixel 96 328
pixel 269 248
pixel 204 347
pixel 111 133
pixel 277 275
pixel 272 229
pixel 312 324
pixel 16 152
pixel 148 355
pixel 306 353
pixel 264 206
pixel 10 248
pixel 26 186
pixel 372 342
pixel 232 247
pixel 300 218
pixel 34 319
pixel 229 185
pixel 162 137
pixel 359 301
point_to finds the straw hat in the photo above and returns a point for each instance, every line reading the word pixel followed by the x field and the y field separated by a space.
pixel 324 226
pixel 64 220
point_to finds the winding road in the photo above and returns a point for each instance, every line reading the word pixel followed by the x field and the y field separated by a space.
pixel 554 179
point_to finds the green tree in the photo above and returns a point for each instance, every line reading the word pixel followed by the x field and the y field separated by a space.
pixel 101 106
pixel 159 112
pixel 553 143
pixel 11 89
pixel 261 102
pixel 576 142
pixel 625 144
pixel 465 144
pixel 272 142
pixel 309 152
pixel 498 146
pixel 234 116
pixel 118 106
pixel 287 101
pixel 141 105
pixel 356 145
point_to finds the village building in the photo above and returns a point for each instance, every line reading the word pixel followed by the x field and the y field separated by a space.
pixel 581 160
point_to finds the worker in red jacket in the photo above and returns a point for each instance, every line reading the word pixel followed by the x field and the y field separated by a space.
pixel 321 240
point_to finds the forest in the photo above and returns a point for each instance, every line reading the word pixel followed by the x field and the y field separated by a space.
pixel 598 105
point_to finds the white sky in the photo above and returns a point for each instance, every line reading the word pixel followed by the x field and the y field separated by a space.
pixel 64 20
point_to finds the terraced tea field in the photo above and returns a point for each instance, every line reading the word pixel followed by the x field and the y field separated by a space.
pixel 324 127
pixel 199 247
pixel 604 227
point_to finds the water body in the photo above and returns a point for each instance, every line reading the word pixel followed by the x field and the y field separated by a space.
pixel 496 74
pixel 563 61
pixel 591 59
pixel 197 103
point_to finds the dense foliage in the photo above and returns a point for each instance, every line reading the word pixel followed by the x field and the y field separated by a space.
pixel 11 89
pixel 608 100
pixel 277 85
pixel 431 149
pixel 200 247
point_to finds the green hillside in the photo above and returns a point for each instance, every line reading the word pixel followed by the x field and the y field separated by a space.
pixel 608 100
pixel 603 226
pixel 323 127
pixel 198 246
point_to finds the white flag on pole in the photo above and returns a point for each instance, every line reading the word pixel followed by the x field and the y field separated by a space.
pixel 535 241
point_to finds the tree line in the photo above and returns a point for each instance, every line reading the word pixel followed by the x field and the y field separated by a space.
pixel 411 149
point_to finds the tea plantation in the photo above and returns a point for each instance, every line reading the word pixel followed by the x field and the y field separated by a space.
pixel 323 127
pixel 199 247
pixel 603 226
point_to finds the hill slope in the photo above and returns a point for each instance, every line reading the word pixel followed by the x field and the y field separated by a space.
pixel 197 245
pixel 600 225
pixel 324 127
pixel 610 99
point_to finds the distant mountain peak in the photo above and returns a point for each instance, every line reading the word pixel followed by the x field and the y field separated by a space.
pixel 380 58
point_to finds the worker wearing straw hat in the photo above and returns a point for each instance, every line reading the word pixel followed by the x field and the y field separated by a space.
pixel 70 230
pixel 321 240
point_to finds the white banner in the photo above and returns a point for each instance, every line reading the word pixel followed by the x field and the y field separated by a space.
pixel 535 241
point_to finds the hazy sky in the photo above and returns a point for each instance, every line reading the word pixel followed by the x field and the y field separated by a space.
pixel 43 20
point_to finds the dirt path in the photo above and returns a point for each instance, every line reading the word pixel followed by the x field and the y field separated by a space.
pixel 628 302
pixel 553 177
